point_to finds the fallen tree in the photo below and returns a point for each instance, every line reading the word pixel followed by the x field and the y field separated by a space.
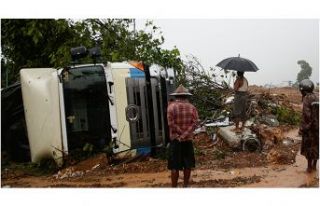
pixel 207 91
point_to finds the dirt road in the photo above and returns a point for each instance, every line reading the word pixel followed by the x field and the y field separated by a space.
pixel 135 175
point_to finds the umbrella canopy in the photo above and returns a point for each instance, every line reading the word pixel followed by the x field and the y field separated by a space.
pixel 238 64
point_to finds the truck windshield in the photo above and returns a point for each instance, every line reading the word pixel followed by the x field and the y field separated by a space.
pixel 86 107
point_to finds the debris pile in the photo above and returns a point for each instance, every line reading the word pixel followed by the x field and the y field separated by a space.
pixel 268 135
pixel 273 109
pixel 270 116
pixel 80 169
pixel 274 115
pixel 68 173
pixel 284 152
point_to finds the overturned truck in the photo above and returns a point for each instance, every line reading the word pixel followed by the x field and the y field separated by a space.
pixel 117 105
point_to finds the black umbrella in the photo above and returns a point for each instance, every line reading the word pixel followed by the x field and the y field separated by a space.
pixel 239 64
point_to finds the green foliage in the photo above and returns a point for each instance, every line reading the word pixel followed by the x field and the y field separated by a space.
pixel 207 93
pixel 34 43
pixel 286 115
pixel 306 70
pixel 47 43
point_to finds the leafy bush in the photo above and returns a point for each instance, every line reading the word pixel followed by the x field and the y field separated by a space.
pixel 207 91
pixel 287 115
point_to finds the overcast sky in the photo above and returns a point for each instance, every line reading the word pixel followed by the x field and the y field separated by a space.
pixel 274 45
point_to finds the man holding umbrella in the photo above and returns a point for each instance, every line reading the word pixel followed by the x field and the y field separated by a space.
pixel 240 65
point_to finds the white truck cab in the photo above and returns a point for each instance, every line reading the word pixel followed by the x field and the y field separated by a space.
pixel 102 104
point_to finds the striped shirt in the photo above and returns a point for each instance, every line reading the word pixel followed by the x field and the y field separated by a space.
pixel 182 120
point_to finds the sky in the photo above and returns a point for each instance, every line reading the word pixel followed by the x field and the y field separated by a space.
pixel 274 45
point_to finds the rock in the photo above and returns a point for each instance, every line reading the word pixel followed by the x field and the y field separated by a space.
pixel 287 142
pixel 96 166
pixel 63 176
pixel 77 174
pixel 272 105
pixel 270 120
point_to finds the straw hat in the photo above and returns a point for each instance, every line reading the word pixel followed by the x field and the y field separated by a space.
pixel 181 91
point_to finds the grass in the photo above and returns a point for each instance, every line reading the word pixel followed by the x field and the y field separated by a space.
pixel 287 115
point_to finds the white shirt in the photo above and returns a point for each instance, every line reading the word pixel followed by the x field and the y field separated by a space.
pixel 244 86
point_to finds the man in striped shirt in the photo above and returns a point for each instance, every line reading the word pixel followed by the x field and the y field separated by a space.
pixel 182 120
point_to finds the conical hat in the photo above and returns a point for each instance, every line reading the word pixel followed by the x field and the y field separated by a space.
pixel 181 91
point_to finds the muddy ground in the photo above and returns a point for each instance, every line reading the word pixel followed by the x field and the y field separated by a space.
pixel 217 166
pixel 279 165
pixel 293 94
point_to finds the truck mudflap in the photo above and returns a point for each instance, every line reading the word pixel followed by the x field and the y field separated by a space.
pixel 40 94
